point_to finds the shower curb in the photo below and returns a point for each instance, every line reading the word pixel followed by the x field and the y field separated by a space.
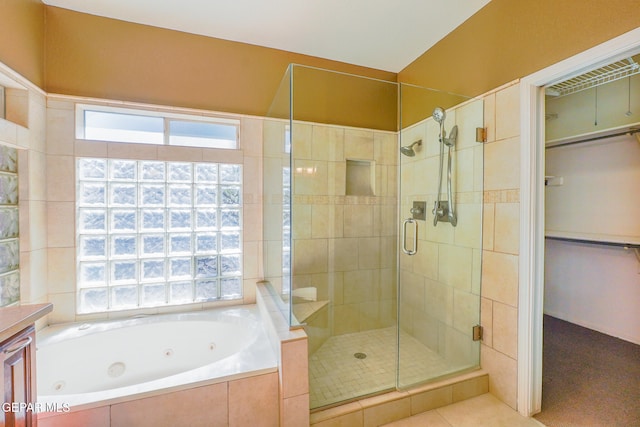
pixel 396 405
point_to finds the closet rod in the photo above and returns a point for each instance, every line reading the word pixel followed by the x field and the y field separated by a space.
pixel 595 138
pixel 596 242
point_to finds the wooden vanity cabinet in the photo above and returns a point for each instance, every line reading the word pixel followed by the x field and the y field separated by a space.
pixel 18 367
pixel 17 371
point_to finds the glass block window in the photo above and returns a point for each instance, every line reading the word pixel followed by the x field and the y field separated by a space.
pixel 9 232
pixel 153 233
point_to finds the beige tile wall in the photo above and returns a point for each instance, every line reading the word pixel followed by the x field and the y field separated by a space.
pixel 274 161
pixel 59 204
pixel 24 129
pixel 345 245
pixel 248 401
pixel 501 222
pixel 291 348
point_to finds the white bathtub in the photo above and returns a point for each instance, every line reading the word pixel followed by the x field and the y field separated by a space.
pixel 92 364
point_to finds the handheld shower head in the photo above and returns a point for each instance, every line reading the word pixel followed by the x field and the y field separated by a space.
pixel 408 150
pixel 439 115
pixel 450 141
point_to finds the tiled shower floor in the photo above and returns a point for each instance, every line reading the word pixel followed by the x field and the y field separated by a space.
pixel 336 375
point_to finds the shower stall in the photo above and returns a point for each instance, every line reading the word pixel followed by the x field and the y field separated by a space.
pixel 372 229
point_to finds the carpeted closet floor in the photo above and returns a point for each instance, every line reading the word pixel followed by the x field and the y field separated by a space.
pixel 589 379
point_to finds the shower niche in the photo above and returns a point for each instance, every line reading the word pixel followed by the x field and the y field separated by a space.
pixel 360 178
pixel 336 190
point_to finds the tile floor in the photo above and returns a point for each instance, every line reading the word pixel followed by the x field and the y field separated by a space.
pixel 481 411
pixel 335 374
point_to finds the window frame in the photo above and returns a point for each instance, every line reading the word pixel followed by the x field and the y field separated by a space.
pixel 167 117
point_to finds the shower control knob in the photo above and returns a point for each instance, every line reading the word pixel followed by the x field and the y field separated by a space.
pixel 418 210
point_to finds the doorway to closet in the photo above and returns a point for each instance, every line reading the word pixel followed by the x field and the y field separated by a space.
pixel 591 324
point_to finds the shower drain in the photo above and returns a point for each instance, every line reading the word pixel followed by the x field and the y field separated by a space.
pixel 360 355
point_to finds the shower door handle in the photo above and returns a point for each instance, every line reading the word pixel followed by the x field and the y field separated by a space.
pixel 404 236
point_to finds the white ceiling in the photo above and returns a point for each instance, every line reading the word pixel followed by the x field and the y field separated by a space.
pixel 383 34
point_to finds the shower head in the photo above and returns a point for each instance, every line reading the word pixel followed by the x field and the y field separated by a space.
pixel 408 150
pixel 439 115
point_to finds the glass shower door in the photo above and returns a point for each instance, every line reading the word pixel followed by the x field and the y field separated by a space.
pixel 439 259
pixel 343 235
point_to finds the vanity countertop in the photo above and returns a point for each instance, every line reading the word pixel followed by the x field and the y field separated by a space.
pixel 16 318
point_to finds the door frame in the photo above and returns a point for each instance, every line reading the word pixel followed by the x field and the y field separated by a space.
pixel 531 259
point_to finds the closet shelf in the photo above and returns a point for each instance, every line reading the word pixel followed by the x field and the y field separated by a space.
pixel 629 242
pixel 615 71
pixel 630 129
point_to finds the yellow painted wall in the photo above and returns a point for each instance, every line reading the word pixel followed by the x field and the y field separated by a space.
pixel 508 39
pixel 22 38
pixel 92 56
pixel 343 99
pixel 106 58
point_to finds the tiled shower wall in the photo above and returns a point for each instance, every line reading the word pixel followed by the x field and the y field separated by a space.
pixel 344 240
pixel 500 235
pixel 441 282
pixel 500 238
